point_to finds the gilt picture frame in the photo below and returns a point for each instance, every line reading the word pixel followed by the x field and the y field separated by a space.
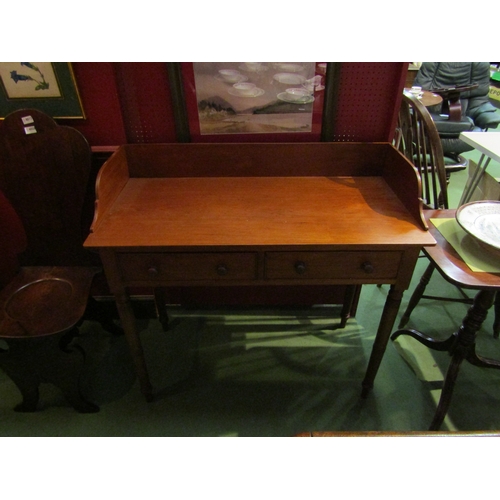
pixel 48 86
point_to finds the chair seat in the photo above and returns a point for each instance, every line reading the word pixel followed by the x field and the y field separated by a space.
pixel 43 301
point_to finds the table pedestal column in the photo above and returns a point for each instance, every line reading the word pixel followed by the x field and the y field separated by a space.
pixel 461 346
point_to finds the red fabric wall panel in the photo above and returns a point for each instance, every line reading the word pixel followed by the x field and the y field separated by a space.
pixel 103 124
pixel 370 95
pixel 131 102
pixel 146 102
pixel 124 103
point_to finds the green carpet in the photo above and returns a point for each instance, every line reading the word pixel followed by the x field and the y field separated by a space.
pixel 248 372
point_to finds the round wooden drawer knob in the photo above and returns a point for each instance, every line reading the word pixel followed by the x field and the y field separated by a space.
pixel 300 267
pixel 367 267
pixel 222 270
pixel 153 271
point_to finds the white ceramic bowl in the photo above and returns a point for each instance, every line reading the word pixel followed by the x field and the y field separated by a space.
pixel 296 94
pixel 289 67
pixel 230 75
pixel 252 66
pixel 244 88
pixel 289 78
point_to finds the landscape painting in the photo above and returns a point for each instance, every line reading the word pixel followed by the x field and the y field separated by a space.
pixel 256 98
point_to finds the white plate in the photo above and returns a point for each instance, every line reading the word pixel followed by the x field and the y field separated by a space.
pixel 283 96
pixel 240 78
pixel 289 67
pixel 254 93
pixel 481 219
pixel 253 69
pixel 289 78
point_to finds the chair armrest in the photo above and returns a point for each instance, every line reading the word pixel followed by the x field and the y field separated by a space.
pixel 445 92
pixel 451 99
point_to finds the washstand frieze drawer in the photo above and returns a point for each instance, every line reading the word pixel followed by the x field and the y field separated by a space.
pixel 151 267
pixel 332 265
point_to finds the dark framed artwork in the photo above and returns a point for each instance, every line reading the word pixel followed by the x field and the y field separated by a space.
pixel 254 101
pixel 47 86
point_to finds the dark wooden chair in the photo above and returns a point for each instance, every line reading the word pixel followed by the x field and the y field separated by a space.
pixel 419 140
pixel 47 275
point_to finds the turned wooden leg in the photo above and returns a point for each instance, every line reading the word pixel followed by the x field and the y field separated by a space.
pixel 447 391
pixel 387 320
pixel 417 295
pixel 463 348
pixel 127 319
pixel 97 311
pixel 134 342
pixel 161 308
pixel 345 314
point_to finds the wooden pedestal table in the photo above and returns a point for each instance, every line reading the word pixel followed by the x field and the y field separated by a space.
pixel 461 344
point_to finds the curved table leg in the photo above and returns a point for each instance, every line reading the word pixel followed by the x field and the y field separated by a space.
pixel 436 345
pixel 446 392
pixel 461 345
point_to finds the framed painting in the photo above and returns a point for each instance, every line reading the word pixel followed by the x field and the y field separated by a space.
pixel 254 101
pixel 49 87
